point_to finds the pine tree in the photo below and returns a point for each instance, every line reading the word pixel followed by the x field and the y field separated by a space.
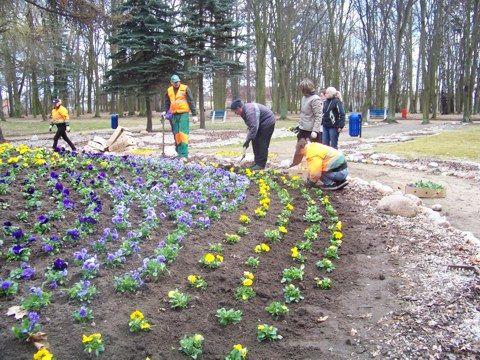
pixel 147 49
pixel 209 41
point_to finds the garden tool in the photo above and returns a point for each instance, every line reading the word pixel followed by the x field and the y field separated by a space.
pixel 162 119
pixel 243 155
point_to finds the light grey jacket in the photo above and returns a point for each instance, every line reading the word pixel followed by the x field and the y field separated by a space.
pixel 311 113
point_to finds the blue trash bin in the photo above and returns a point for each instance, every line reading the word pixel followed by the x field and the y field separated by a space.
pixel 355 124
pixel 114 121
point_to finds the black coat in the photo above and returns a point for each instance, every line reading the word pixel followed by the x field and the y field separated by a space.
pixel 333 114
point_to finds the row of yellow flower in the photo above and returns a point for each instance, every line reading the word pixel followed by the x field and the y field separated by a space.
pixel 25 156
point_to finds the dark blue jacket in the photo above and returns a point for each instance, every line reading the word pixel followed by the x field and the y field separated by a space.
pixel 333 113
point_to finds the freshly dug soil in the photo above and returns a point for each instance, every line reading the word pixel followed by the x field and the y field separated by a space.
pixel 318 327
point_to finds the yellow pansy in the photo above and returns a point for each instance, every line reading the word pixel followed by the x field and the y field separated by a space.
pixel 171 293
pixel 244 219
pixel 87 339
pixel 248 275
pixel 13 160
pixel 337 235
pixel 289 207
pixel 145 326
pixel 295 178
pixel 295 252
pixel 261 327
pixel 282 229
pixel 43 354
pixel 39 162
pixel 338 226
pixel 247 282
pixel 192 279
pixel 265 247
pixel 242 350
pixel 219 258
pixel 136 315
pixel 198 337
pixel 209 258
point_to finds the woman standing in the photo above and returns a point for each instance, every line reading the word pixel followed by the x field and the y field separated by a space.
pixel 310 124
pixel 333 117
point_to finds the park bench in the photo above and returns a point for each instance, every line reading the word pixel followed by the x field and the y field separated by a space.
pixel 377 114
pixel 218 114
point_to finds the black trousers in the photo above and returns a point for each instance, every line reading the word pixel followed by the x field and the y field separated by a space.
pixel 62 133
pixel 260 145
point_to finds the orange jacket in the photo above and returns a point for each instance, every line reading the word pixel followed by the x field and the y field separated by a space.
pixel 60 115
pixel 322 158
pixel 178 101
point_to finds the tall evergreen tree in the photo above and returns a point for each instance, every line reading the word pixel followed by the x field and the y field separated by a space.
pixel 209 41
pixel 147 49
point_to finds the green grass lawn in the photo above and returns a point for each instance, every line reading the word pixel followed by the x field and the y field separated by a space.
pixel 463 143
pixel 29 126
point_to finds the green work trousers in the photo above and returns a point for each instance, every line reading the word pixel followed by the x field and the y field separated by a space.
pixel 181 129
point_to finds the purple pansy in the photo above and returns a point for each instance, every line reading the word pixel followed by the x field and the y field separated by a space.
pixel 60 264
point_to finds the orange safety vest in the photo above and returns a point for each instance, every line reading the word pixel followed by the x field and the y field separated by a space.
pixel 178 101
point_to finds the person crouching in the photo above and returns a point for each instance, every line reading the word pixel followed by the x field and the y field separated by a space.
pixel 327 165
pixel 60 119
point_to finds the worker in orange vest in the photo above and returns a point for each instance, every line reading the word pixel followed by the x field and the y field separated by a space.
pixel 178 104
pixel 60 119
pixel 326 164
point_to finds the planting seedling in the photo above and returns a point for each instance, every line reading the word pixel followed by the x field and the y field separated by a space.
pixel 177 299
pixel 230 316
pixel 93 344
pixel 252 262
pixel 268 332
pixel 276 308
pixel 232 238
pixel 197 282
pixel 292 293
pixel 238 353
pixel 138 322
pixel 292 274
pixel 324 283
pixel 325 264
pixel 192 345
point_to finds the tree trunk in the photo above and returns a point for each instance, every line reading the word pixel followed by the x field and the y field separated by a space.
pixel 201 100
pixel 90 69
pixel 97 92
pixel 393 86
pixel 2 114
pixel 471 56
pixel 259 10
pixel 219 90
pixel 249 76
pixel 149 113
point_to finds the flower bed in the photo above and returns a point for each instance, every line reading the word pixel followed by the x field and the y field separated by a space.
pixel 88 241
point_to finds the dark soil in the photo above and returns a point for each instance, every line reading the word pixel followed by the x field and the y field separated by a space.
pixel 325 325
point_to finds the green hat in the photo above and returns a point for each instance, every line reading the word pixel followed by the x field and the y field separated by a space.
pixel 174 78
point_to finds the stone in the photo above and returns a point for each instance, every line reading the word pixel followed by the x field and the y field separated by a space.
pixel 381 188
pixel 415 199
pixel 437 207
pixel 143 132
pixel 433 164
pixel 34 138
pixel 398 204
